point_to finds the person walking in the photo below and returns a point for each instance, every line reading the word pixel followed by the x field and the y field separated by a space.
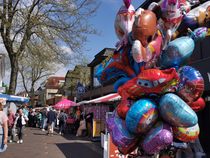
pixel 11 121
pixel 62 122
pixel 20 123
pixel 51 117
pixel 3 129
pixel 44 119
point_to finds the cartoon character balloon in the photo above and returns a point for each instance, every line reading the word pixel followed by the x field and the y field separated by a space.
pixel 124 22
pixel 191 85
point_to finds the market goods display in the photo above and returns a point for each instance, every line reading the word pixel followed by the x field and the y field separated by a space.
pixel 159 93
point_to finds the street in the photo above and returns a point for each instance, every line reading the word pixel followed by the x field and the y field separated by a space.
pixel 38 145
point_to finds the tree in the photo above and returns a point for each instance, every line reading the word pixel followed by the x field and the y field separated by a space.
pixel 35 66
pixel 55 23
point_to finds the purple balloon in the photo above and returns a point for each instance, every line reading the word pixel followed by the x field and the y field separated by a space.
pixel 158 138
pixel 121 137
pixel 127 3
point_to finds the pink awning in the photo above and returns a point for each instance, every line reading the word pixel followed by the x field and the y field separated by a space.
pixel 64 104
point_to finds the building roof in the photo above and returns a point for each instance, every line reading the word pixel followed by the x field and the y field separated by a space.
pixel 101 56
pixel 53 82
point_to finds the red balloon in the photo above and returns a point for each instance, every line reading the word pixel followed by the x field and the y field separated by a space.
pixel 198 105
pixel 123 108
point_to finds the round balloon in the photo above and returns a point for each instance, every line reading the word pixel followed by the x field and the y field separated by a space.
pixel 198 105
pixel 141 116
pixel 121 137
pixel 186 134
pixel 191 85
pixel 158 138
pixel 177 52
pixel 176 112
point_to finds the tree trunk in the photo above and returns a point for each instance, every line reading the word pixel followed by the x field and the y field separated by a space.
pixel 14 73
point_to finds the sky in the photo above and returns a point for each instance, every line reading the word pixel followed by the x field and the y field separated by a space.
pixel 103 21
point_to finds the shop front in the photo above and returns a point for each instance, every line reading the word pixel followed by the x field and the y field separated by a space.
pixel 99 107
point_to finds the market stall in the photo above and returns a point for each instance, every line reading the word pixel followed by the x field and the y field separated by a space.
pixel 99 107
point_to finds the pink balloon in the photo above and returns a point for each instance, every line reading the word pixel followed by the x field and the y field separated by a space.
pixel 127 3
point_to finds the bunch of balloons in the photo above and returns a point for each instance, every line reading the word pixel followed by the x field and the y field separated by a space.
pixel 159 94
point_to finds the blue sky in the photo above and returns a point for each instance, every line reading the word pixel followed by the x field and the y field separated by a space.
pixel 104 23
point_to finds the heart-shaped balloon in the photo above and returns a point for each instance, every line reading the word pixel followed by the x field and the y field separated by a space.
pixel 127 3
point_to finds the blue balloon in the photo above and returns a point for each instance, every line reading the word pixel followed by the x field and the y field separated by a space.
pixel 176 112
pixel 141 116
pixel 177 52
pixel 191 84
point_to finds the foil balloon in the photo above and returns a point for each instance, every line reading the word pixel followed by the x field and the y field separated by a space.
pixel 176 112
pixel 186 134
pixel 141 116
pixel 158 138
pixel 177 52
pixel 121 137
pixel 122 108
pixel 199 33
pixel 124 20
pixel 143 31
pixel 191 85
pixel 149 81
pixel 198 105
pixel 118 67
pixel 129 149
pixel 197 17
pixel 171 14
pixel 144 27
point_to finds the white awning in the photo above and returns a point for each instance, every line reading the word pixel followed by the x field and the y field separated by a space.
pixel 104 99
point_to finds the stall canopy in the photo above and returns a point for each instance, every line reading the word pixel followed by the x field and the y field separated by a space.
pixel 13 98
pixel 64 104
pixel 104 99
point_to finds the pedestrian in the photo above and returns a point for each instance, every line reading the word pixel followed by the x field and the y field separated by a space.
pixel 62 122
pixel 82 127
pixel 51 118
pixel 20 123
pixel 11 121
pixel 44 119
pixel 3 129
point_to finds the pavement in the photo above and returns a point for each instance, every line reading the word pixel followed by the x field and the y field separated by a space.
pixel 39 145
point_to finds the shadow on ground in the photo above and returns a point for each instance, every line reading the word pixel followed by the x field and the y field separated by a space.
pixel 80 150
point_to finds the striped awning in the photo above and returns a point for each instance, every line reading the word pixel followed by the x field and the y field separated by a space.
pixel 104 99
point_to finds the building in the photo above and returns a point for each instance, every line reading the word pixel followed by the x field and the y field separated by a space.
pixel 49 90
pixel 95 88
pixel 80 76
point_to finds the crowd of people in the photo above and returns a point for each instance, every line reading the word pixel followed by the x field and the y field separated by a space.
pixel 12 125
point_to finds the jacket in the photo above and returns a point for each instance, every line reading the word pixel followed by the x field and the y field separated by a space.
pixel 24 119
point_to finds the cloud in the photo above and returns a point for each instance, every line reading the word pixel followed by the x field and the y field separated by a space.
pixel 66 49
